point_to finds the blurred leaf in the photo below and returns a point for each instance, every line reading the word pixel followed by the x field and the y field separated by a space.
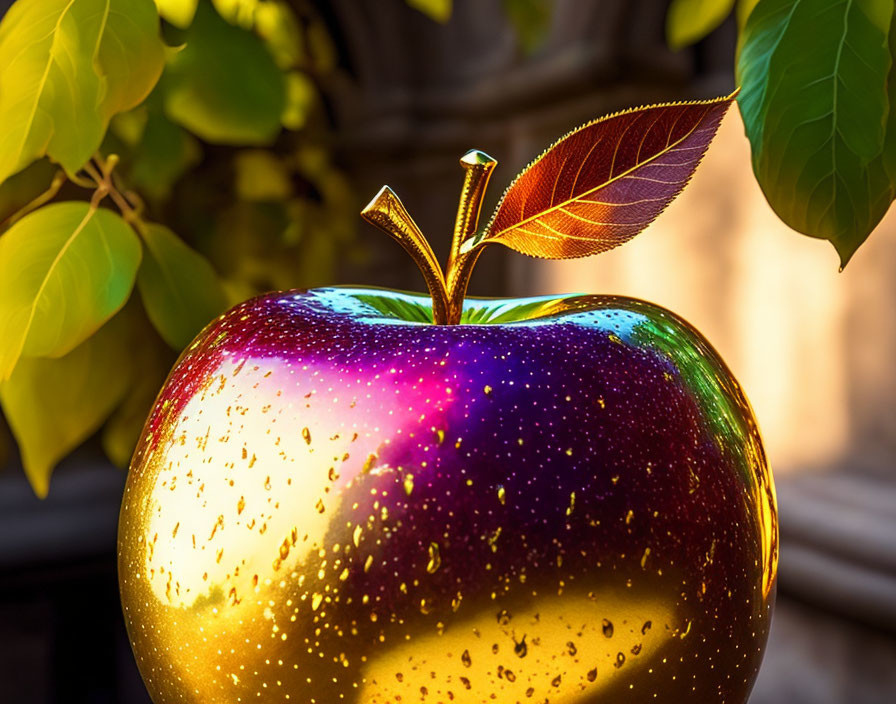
pixel 260 175
pixel 180 290
pixel 163 154
pixel 128 126
pixel 178 12
pixel 151 360
pixel 531 19
pixel 224 86
pixel 438 10
pixel 276 23
pixel 301 95
pixel 66 67
pixel 603 183
pixel 814 106
pixel 889 155
pixel 688 21
pixel 64 270
pixel 22 188
pixel 744 8
pixel 53 405
pixel 238 12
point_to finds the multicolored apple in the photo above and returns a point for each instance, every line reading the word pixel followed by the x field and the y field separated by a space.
pixel 559 500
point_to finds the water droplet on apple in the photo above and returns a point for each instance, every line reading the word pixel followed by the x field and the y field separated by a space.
pixel 435 560
pixel 607 627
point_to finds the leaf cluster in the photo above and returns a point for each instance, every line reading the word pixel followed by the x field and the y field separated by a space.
pixel 158 163
pixel 818 104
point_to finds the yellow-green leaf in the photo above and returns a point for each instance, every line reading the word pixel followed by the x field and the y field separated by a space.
pixel 178 12
pixel 300 98
pixel 66 67
pixel 163 154
pixel 64 270
pixel 53 405
pixel 688 21
pixel 180 290
pixel 744 8
pixel 238 12
pixel 261 176
pixel 277 24
pixel 438 10
pixel 225 86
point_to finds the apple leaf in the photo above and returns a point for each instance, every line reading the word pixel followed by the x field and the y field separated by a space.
pixel 179 288
pixel 180 13
pixel 53 405
pixel 224 86
pixel 603 183
pixel 688 21
pixel 744 8
pixel 66 67
pixel 162 155
pixel 814 105
pixel 65 269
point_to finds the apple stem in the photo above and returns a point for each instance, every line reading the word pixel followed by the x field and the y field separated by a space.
pixel 478 167
pixel 388 213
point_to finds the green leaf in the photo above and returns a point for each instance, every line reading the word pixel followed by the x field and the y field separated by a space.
pixel 688 21
pixel 179 288
pixel 66 67
pixel 225 86
pixel 531 19
pixel 437 10
pixel 744 8
pixel 261 176
pixel 814 104
pixel 53 405
pixel 238 12
pixel 163 154
pixel 64 270
pixel 178 12
pixel 277 24
pixel 889 157
pixel 301 96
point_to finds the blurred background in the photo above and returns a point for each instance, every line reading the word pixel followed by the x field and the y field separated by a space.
pixel 398 98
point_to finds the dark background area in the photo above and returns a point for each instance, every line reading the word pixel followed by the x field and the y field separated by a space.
pixel 411 97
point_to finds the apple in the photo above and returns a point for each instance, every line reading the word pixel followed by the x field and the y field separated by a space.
pixel 545 499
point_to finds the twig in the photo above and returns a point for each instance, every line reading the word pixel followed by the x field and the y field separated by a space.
pixel 47 195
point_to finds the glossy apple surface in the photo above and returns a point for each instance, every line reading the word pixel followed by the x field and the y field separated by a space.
pixel 333 501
